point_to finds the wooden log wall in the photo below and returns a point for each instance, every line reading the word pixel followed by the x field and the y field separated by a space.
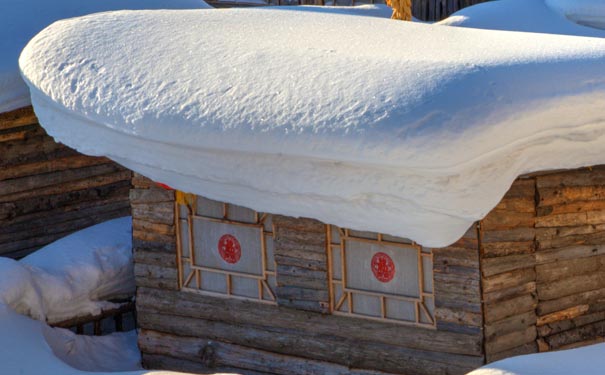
pixel 203 334
pixel 570 258
pixel 48 190
pixel 543 264
pixel 507 250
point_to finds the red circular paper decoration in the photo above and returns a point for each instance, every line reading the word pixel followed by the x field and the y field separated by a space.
pixel 229 249
pixel 383 267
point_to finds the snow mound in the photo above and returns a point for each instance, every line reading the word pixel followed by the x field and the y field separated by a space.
pixel 521 15
pixel 30 347
pixel 588 360
pixel 585 12
pixel 408 129
pixel 84 268
pixel 20 20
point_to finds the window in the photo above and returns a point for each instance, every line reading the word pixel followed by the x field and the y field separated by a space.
pixel 380 277
pixel 225 250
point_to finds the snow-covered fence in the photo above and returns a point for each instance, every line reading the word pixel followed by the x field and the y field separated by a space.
pixel 116 319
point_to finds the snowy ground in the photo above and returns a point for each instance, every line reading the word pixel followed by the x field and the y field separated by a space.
pixel 69 278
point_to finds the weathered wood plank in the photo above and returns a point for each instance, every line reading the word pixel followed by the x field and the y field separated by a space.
pixel 242 312
pixel 211 354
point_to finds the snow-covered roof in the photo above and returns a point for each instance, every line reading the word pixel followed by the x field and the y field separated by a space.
pixel 537 16
pixel 408 129
pixel 20 20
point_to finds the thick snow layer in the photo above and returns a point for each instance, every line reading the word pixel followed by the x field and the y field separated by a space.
pixel 588 360
pixel 115 352
pixel 20 20
pixel 84 268
pixel 409 129
pixel 522 15
pixel 30 347
pixel 585 12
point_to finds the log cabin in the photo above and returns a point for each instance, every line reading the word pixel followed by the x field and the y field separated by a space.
pixel 416 227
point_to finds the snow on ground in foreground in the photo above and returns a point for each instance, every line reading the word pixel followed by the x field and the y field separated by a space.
pixel 373 124
pixel 20 20
pixel 589 360
pixel 30 347
pixel 522 15
pixel 84 268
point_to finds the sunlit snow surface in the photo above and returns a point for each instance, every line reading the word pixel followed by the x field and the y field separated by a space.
pixel 20 20
pixel 409 129
pixel 529 15
pixel 589 360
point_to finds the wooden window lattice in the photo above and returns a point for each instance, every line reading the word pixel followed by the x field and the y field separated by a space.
pixel 198 269
pixel 414 307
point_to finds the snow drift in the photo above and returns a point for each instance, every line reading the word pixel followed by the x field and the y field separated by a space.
pixel 20 20
pixel 72 276
pixel 534 16
pixel 408 129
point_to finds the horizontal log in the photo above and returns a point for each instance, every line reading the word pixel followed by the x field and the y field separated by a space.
pixel 578 177
pixel 26 183
pixel 459 317
pixel 568 194
pixel 570 286
pixel 580 344
pixel 494 266
pixel 290 225
pixel 460 257
pixel 154 246
pixel 148 236
pixel 164 362
pixel 523 204
pixel 510 279
pixel 310 264
pixel 50 166
pixel 151 195
pixel 154 276
pixel 17 117
pixel 566 268
pixel 565 325
pixel 515 323
pixel 573 240
pixel 528 348
pixel 211 354
pixel 505 294
pixel 64 186
pixel 572 219
pixel 141 182
pixel 343 351
pixel 23 214
pixel 509 235
pixel 571 252
pixel 247 313
pixel 501 343
pixel 162 213
pixel 154 258
pixel 571 207
pixel 503 220
pixel 580 334
pixel 510 307
pixel 569 313
pixel 302 294
pixel 502 249
pixel 143 225
pixel 546 307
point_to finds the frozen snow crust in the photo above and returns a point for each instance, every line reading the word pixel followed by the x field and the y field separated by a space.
pixel 408 129
pixel 20 20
